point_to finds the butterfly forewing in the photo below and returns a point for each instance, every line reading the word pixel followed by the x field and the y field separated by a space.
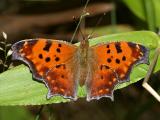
pixel 112 64
pixel 51 61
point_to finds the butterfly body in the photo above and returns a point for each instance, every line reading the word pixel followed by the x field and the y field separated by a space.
pixel 63 66
pixel 83 60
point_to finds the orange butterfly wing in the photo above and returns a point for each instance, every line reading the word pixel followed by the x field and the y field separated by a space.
pixel 111 64
pixel 51 62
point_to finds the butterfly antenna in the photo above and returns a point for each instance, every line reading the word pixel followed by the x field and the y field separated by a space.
pixel 97 23
pixel 80 29
pixel 83 14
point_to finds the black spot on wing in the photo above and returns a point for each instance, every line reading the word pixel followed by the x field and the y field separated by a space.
pixel 63 66
pixel 59 45
pixel 40 56
pixel 57 59
pixel 47 59
pixel 58 66
pixel 117 61
pixel 109 60
pixel 107 46
pixel 124 58
pixel 104 66
pixel 108 51
pixel 47 46
pixel 118 47
pixel 58 50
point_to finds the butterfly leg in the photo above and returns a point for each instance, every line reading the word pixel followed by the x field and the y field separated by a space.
pixel 150 71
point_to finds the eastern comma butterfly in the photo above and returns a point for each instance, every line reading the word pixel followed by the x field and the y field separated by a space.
pixel 63 66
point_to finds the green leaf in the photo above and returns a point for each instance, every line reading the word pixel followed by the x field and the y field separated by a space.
pixel 147 10
pixel 18 88
pixel 15 113
pixel 104 30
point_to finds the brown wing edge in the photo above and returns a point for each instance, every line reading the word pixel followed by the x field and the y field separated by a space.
pixel 16 56
pixel 50 94
pixel 111 95
pixel 143 60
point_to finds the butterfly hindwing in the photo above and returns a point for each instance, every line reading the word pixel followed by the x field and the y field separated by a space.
pixel 65 80
pixel 50 61
pixel 111 64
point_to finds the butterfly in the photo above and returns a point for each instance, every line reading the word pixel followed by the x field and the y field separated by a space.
pixel 62 66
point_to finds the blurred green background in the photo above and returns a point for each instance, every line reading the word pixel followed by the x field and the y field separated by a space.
pixel 57 19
